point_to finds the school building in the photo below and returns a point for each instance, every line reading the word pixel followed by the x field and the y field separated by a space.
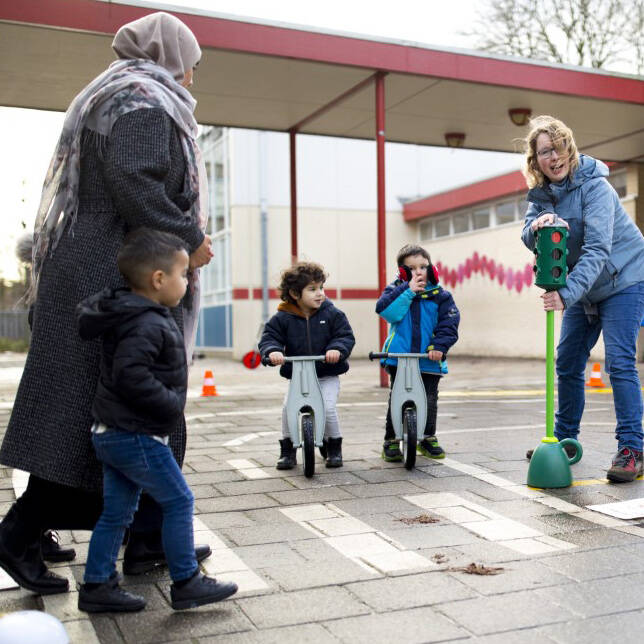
pixel 349 205
pixel 472 232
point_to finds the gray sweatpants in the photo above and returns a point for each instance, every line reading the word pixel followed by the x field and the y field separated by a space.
pixel 330 386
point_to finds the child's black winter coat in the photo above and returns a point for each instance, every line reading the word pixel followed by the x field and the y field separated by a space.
pixel 292 333
pixel 144 375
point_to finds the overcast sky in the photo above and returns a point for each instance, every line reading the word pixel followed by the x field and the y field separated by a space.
pixel 29 136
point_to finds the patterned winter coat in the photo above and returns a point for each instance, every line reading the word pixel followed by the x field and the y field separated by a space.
pixel 133 179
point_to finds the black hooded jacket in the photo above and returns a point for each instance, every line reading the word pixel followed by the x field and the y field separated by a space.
pixel 292 333
pixel 144 373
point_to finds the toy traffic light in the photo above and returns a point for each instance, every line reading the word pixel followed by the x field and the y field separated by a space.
pixel 551 252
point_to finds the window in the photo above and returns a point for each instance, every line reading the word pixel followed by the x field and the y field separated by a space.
pixel 426 230
pixel 481 218
pixel 441 227
pixel 461 222
pixel 505 212
pixel 618 181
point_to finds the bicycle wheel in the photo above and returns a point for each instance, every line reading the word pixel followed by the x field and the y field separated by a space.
pixel 308 445
pixel 409 437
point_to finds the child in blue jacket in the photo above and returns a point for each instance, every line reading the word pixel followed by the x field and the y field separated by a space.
pixel 306 323
pixel 423 318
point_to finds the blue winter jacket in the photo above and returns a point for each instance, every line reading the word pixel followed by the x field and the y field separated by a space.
pixel 419 322
pixel 605 247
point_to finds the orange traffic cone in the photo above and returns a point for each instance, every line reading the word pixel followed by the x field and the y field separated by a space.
pixel 596 376
pixel 209 388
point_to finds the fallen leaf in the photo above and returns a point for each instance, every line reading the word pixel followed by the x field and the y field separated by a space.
pixel 477 569
pixel 421 518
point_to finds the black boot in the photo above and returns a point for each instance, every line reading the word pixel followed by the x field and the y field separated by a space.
pixel 144 552
pixel 51 550
pixel 287 459
pixel 21 558
pixel 334 448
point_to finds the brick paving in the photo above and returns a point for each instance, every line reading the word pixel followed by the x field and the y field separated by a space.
pixel 328 559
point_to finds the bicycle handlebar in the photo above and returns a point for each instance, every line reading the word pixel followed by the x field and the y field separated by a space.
pixel 377 356
pixel 267 362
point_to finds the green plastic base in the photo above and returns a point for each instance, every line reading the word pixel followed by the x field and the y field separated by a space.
pixel 550 465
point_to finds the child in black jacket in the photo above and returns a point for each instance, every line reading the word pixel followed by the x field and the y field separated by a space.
pixel 141 392
pixel 306 323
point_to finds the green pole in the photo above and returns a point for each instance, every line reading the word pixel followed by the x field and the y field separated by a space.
pixel 550 374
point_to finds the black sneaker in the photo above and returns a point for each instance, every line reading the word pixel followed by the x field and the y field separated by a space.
pixel 626 467
pixel 108 597
pixel 430 448
pixel 570 452
pixel 51 550
pixel 391 451
pixel 287 459
pixel 200 590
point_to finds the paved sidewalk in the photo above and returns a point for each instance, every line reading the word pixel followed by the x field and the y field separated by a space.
pixel 371 552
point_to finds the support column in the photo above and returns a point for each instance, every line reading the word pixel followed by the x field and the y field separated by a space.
pixel 293 159
pixel 382 226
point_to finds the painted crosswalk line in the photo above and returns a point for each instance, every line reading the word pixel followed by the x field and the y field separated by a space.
pixel 490 525
pixel 224 564
pixel 248 469
pixel 542 497
pixel 367 547
pixel 240 440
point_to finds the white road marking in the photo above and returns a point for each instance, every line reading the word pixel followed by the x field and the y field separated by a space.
pixel 196 416
pixel 240 440
pixel 249 469
pixel 224 564
pixel 358 541
pixel 488 524
pixel 19 480
pixel 541 496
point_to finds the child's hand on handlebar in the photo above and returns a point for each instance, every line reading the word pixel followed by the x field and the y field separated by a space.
pixel 332 356
pixel 276 358
pixel 437 356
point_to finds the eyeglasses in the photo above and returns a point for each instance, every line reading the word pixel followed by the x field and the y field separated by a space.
pixel 546 153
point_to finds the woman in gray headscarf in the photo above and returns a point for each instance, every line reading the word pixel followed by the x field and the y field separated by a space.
pixel 127 157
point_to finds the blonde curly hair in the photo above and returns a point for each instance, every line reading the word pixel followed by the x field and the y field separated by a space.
pixel 562 139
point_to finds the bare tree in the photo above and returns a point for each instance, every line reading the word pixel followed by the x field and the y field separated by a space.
pixel 590 33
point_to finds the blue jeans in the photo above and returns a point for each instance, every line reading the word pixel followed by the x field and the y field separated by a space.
pixel 619 318
pixel 132 462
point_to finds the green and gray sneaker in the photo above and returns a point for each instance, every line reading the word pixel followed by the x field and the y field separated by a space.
pixel 430 448
pixel 391 451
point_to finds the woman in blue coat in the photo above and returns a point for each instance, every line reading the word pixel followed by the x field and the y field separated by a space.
pixel 605 286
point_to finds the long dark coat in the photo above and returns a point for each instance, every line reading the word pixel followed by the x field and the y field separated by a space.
pixel 136 178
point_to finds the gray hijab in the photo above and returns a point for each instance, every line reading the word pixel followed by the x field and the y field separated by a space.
pixel 160 38
pixel 152 52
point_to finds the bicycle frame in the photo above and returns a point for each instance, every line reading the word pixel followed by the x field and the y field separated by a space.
pixel 305 396
pixel 408 389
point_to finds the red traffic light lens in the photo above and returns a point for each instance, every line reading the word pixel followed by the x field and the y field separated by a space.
pixel 556 237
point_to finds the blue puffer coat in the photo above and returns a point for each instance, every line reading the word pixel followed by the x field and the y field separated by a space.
pixel 419 323
pixel 605 247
